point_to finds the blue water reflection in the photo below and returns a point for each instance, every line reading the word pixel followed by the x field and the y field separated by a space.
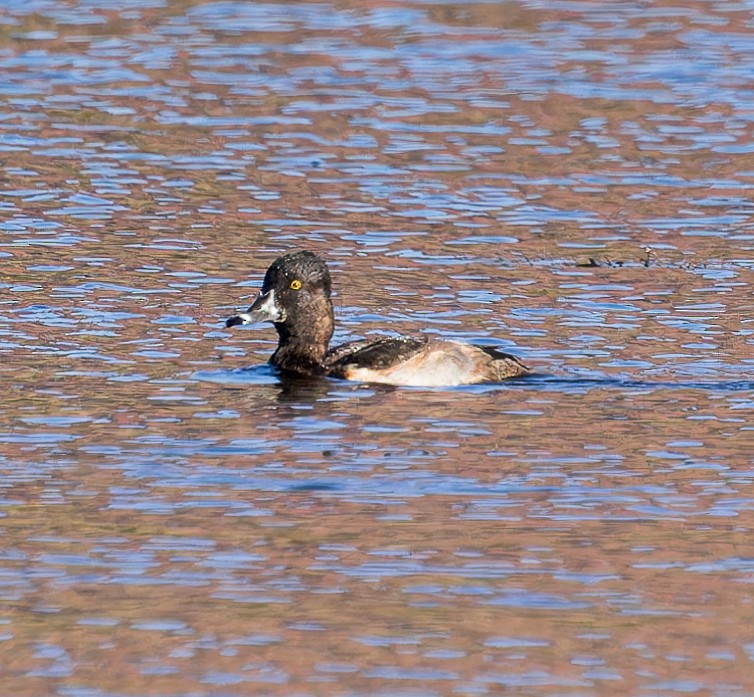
pixel 567 181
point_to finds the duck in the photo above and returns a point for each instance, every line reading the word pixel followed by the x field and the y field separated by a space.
pixel 296 296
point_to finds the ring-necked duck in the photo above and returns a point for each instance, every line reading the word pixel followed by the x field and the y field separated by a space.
pixel 295 297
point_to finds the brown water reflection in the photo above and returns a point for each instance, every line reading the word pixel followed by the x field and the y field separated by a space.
pixel 569 181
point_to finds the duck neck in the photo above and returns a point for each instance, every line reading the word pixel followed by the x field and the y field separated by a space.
pixel 302 346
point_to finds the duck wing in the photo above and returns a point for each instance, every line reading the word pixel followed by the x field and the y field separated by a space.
pixel 421 363
pixel 381 354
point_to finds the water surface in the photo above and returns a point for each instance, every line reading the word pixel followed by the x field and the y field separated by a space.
pixel 568 181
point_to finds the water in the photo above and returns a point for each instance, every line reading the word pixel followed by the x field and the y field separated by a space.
pixel 568 181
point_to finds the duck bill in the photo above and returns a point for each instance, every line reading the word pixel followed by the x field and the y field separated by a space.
pixel 263 309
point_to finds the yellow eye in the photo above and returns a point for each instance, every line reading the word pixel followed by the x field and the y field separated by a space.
pixel 295 284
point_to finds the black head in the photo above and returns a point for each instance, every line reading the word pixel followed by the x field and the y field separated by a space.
pixel 295 296
pixel 294 276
